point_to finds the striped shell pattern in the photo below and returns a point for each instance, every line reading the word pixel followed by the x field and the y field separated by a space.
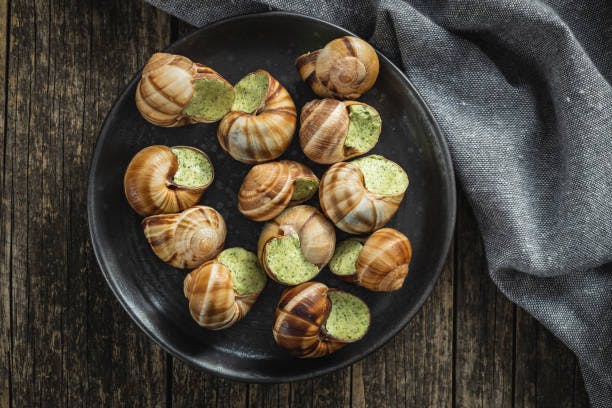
pixel 349 205
pixel 187 239
pixel 264 134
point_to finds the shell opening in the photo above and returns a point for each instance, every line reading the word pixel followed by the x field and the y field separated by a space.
pixel 211 100
pixel 349 317
pixel 304 189
pixel 251 92
pixel 247 275
pixel 344 261
pixel 381 175
pixel 286 261
pixel 194 168
pixel 364 128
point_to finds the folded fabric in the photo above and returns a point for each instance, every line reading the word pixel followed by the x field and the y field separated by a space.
pixel 522 92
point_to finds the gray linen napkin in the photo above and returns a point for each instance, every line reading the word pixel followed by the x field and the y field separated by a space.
pixel 521 89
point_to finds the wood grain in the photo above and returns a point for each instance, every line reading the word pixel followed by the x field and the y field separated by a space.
pixel 5 226
pixel 64 339
pixel 484 328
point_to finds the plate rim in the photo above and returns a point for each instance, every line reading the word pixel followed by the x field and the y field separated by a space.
pixel 245 376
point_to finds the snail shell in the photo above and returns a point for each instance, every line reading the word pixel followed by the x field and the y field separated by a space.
pixel 168 85
pixel 149 184
pixel 261 130
pixel 353 206
pixel 313 235
pixel 345 68
pixel 186 239
pixel 324 130
pixel 214 299
pixel 269 188
pixel 381 262
pixel 301 318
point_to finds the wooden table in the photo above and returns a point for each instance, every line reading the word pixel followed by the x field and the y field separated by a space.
pixel 65 340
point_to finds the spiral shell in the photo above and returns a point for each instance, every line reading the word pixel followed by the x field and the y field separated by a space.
pixel 149 186
pixel 167 86
pixel 269 188
pixel 299 321
pixel 382 263
pixel 186 239
pixel 324 127
pixel 345 68
pixel 317 237
pixel 347 202
pixel 264 134
pixel 214 302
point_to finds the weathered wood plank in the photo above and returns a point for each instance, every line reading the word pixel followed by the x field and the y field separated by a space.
pixel 484 330
pixel 125 367
pixel 58 93
pixel 547 373
pixel 415 368
pixel 5 226
pixel 269 396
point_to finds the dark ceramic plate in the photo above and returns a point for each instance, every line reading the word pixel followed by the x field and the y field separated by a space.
pixel 151 291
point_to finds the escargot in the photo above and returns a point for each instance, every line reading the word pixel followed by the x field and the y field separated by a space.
pixel 269 188
pixel 296 245
pixel 162 179
pixel 186 239
pixel 361 196
pixel 332 131
pixel 262 120
pixel 222 291
pixel 175 91
pixel 312 320
pixel 379 263
pixel 345 68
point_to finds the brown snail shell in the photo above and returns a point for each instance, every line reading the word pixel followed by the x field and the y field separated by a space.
pixel 382 264
pixel 187 239
pixel 345 68
pixel 324 127
pixel 316 234
pixel 167 86
pixel 346 201
pixel 149 186
pixel 264 134
pixel 299 321
pixel 214 302
pixel 268 189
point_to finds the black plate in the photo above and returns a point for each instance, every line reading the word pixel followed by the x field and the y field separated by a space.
pixel 151 291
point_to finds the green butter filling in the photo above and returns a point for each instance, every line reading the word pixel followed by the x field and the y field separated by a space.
pixel 250 92
pixel 345 257
pixel 304 189
pixel 286 261
pixel 194 169
pixel 382 176
pixel 211 100
pixel 349 317
pixel 247 275
pixel 364 128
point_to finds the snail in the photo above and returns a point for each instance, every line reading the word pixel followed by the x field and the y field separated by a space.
pixel 262 120
pixel 222 291
pixel 175 91
pixel 332 131
pixel 361 196
pixel 312 320
pixel 187 239
pixel 296 245
pixel 379 263
pixel 344 69
pixel 162 179
pixel 269 188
